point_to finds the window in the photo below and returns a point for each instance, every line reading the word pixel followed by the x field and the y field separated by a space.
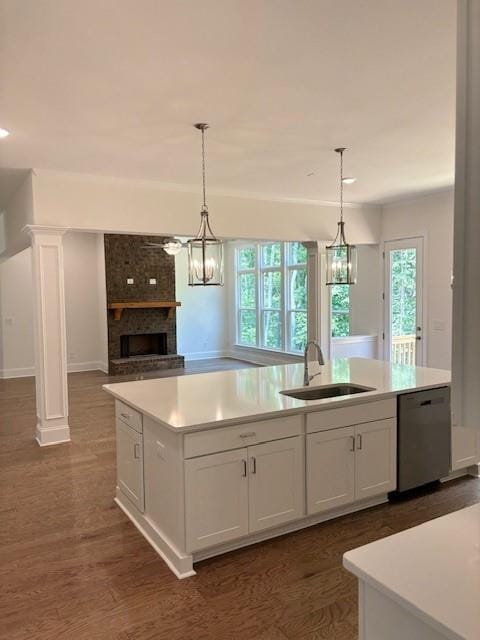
pixel 272 295
pixel 340 310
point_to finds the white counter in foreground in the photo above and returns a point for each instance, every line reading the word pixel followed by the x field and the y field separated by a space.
pixel 423 583
pixel 207 400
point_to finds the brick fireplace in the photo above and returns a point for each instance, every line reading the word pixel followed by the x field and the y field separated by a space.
pixel 142 328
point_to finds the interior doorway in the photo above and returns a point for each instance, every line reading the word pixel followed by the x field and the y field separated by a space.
pixel 404 335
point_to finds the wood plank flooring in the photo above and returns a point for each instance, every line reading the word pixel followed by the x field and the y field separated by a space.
pixel 73 567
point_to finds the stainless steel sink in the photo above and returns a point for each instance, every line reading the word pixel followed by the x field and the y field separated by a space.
pixel 328 391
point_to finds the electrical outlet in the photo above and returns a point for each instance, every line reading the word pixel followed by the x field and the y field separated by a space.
pixel 130 280
pixel 152 281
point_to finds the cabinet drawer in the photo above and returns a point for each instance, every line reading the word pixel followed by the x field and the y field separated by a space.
pixel 353 414
pixel 204 442
pixel 128 415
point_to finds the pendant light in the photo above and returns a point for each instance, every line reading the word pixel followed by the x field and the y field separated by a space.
pixel 205 251
pixel 341 256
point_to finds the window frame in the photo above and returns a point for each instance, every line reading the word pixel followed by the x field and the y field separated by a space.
pixel 285 310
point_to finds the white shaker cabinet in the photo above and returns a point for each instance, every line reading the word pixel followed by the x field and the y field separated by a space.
pixel 350 463
pixel 130 464
pixel 330 469
pixel 375 458
pixel 216 498
pixel 276 483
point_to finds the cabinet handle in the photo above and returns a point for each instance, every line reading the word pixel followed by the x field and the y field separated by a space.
pixel 352 440
pixel 244 463
pixel 254 464
pixel 249 434
pixel 127 416
pixel 359 442
pixel 136 451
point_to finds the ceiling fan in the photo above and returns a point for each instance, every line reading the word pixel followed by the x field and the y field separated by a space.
pixel 172 246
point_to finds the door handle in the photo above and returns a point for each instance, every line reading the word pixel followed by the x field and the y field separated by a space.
pixel 254 464
pixel 127 416
pixel 136 451
pixel 244 463
pixel 248 434
pixel 359 442
pixel 352 440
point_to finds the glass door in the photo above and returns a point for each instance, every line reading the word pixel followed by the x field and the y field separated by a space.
pixel 404 339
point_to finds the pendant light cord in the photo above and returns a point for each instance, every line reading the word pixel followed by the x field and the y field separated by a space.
pixel 341 186
pixel 204 170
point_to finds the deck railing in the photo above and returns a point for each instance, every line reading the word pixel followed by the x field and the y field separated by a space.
pixel 403 349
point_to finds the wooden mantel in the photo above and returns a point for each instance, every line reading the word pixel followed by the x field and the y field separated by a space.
pixel 118 307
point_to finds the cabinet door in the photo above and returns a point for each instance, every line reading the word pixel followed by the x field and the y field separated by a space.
pixel 330 469
pixel 465 449
pixel 375 458
pixel 276 482
pixel 130 464
pixel 216 498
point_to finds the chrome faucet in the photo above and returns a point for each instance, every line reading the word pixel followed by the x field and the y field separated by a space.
pixel 306 377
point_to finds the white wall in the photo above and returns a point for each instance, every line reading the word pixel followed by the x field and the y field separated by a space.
pixel 202 318
pixel 18 213
pixel 92 203
pixel 432 218
pixel 365 295
pixel 85 308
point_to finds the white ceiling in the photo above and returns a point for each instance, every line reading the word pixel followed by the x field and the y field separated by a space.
pixel 113 87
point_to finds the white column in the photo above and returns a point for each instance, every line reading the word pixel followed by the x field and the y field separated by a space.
pixel 50 336
pixel 466 298
pixel 318 297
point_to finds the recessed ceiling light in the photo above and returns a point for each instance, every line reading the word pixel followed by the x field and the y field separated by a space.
pixel 347 180
pixel 4 133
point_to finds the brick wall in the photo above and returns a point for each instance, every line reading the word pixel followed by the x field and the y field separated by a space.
pixel 126 257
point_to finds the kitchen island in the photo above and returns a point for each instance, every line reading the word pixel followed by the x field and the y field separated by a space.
pixel 423 583
pixel 211 462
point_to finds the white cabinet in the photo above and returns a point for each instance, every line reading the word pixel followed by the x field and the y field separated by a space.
pixel 130 464
pixel 231 494
pixel 465 447
pixel 375 458
pixel 216 498
pixel 276 483
pixel 350 463
pixel 330 469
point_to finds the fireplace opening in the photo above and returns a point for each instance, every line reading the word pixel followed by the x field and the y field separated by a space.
pixel 143 344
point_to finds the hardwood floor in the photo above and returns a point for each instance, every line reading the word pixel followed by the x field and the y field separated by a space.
pixel 73 567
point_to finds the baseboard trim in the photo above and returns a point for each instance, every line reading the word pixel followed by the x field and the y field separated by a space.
pixel 72 367
pixel 49 436
pixel 181 565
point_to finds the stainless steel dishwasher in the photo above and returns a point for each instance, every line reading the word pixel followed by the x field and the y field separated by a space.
pixel 423 437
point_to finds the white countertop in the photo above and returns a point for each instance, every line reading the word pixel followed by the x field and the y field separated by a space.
pixel 432 570
pixel 205 400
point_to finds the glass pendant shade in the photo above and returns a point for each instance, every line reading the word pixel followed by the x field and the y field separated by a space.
pixel 205 257
pixel 341 260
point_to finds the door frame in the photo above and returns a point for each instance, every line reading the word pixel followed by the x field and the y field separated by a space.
pixel 420 242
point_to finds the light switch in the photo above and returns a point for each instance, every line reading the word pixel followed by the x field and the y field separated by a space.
pixel 152 281
pixel 130 280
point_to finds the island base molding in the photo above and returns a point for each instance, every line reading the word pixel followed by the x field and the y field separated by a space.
pixel 181 564
pixel 382 617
